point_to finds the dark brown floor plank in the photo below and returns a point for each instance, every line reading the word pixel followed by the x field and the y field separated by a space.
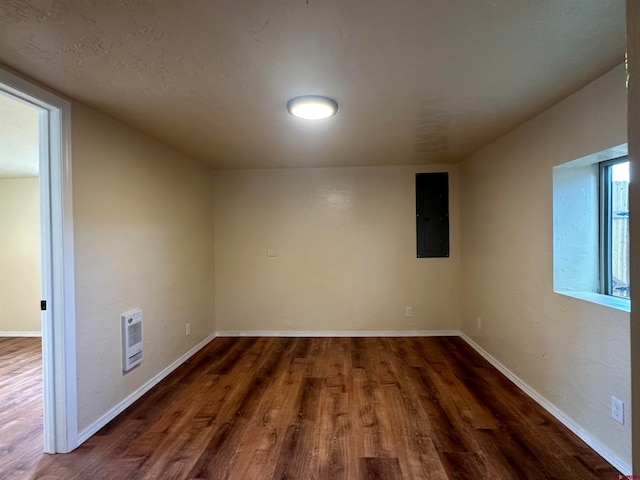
pixel 296 453
pixel 465 466
pixel 379 468
pixel 336 431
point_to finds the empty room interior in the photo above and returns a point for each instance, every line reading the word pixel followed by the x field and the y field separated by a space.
pixel 432 282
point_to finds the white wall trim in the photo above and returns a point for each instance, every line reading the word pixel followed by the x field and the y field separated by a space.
pixel 562 417
pixel 337 333
pixel 21 334
pixel 131 399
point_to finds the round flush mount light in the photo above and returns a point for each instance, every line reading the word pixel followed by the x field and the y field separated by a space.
pixel 312 107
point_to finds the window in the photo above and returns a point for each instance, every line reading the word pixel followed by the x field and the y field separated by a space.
pixel 591 228
pixel 614 227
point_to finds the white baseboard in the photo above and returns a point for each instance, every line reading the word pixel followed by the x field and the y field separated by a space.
pixel 563 418
pixel 338 333
pixel 21 334
pixel 124 404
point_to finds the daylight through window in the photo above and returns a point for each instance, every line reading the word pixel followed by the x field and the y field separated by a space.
pixel 614 227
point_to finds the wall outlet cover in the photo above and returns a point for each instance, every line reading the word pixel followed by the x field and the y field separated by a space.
pixel 617 410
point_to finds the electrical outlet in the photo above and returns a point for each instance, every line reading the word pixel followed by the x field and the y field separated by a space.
pixel 479 323
pixel 408 312
pixel 187 329
pixel 617 410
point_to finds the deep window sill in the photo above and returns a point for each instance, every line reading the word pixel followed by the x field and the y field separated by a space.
pixel 623 304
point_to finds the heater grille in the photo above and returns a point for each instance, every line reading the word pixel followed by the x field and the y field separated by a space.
pixel 135 334
pixel 131 339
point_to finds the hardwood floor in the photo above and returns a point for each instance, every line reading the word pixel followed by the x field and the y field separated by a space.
pixel 325 408
pixel 20 406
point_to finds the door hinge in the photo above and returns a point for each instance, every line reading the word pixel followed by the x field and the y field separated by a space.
pixel 43 305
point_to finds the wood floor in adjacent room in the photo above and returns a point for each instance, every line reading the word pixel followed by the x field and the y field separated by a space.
pixel 324 408
pixel 21 441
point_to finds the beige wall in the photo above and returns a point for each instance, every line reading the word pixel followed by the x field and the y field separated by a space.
pixel 574 353
pixel 143 239
pixel 19 255
pixel 633 58
pixel 346 245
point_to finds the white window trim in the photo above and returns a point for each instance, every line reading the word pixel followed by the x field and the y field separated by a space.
pixel 609 301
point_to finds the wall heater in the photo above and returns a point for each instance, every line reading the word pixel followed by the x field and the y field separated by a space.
pixel 131 339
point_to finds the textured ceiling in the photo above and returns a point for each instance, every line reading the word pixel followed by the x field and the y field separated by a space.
pixel 418 81
pixel 18 138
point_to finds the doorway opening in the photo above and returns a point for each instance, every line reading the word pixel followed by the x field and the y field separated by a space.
pixel 20 283
pixel 55 238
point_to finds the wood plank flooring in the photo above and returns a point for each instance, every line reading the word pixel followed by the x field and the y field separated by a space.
pixel 332 408
pixel 21 441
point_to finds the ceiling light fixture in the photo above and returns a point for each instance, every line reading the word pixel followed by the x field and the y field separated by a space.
pixel 312 107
